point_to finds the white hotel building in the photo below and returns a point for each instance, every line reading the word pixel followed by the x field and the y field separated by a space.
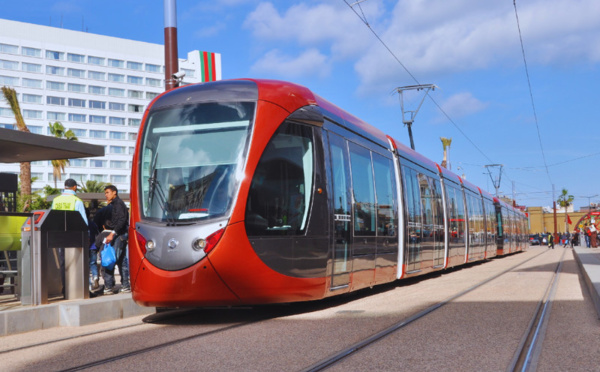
pixel 98 86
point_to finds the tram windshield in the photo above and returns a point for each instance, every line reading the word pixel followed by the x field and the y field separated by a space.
pixel 192 159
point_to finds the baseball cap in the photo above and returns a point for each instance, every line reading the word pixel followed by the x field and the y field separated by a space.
pixel 70 182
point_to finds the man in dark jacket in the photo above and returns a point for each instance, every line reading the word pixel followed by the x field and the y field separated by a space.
pixel 119 220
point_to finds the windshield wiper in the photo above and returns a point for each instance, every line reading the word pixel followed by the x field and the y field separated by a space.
pixel 162 200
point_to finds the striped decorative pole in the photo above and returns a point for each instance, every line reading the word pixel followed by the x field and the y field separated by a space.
pixel 171 59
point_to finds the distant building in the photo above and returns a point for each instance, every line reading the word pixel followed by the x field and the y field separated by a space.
pixel 98 86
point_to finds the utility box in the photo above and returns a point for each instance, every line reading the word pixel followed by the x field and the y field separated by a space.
pixel 44 271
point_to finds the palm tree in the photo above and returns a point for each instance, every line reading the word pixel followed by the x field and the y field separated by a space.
pixel 10 95
pixel 58 130
pixel 93 186
pixel 565 200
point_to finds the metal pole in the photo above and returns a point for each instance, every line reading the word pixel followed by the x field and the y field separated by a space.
pixel 171 59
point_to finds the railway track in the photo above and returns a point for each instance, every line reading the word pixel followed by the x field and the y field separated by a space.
pixel 528 349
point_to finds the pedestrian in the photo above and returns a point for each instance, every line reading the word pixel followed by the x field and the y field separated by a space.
pixel 593 236
pixel 550 241
pixel 68 201
pixel 587 235
pixel 118 236
pixel 93 232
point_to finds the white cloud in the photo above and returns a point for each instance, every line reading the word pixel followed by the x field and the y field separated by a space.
pixel 462 104
pixel 277 64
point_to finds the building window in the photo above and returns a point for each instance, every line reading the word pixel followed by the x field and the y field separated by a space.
pixel 9 65
pixel 118 164
pixel 77 58
pixel 116 63
pixel 117 149
pixel 32 98
pixel 32 114
pixel 78 162
pixel 151 95
pixel 10 49
pixel 96 61
pixel 51 54
pixel 135 80
pixel 9 80
pixel 153 82
pixel 55 100
pixel 115 92
pixel 32 83
pixel 76 88
pixel 135 108
pixel 118 136
pixel 94 163
pixel 96 119
pixel 56 116
pixel 97 133
pixel 74 72
pixel 117 78
pixel 55 85
pixel 31 52
pixel 6 112
pixel 116 121
pixel 98 105
pixel 98 177
pixel 78 176
pixel 96 75
pixel 116 106
pixel 118 178
pixel 31 67
pixel 79 133
pixel 35 129
pixel 188 72
pixel 134 65
pixel 132 136
pixel 75 102
pixel 54 70
pixel 152 68
pixel 135 94
pixel 134 122
pixel 78 118
pixel 131 149
pixel 92 89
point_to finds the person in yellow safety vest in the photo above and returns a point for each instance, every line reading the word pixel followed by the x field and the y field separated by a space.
pixel 67 201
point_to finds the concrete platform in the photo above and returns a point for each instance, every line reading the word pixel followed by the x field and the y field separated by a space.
pixel 69 313
pixel 589 262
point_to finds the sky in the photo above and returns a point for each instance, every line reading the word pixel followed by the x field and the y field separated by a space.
pixel 532 107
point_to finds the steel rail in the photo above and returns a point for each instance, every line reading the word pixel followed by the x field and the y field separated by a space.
pixel 530 347
pixel 337 357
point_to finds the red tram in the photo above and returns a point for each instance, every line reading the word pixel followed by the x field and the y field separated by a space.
pixel 258 191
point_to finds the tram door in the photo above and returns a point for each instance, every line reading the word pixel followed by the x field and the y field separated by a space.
pixel 342 215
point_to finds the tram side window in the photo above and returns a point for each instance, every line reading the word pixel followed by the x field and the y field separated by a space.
pixel 456 215
pixel 280 193
pixel 385 188
pixel 412 199
pixel 364 191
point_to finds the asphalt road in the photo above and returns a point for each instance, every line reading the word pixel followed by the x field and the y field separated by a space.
pixel 479 331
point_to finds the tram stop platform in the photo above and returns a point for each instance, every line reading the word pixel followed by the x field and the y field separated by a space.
pixel 16 318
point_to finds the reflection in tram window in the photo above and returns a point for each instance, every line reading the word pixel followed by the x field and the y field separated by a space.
pixel 281 189
pixel 363 189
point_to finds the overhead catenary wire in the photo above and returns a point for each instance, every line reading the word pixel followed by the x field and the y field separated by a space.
pixel 531 93
pixel 363 19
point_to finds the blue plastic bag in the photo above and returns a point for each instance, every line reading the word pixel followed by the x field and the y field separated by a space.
pixel 108 257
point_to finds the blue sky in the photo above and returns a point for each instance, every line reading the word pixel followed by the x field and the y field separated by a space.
pixel 470 49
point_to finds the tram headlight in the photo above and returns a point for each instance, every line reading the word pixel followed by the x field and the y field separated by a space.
pixel 198 244
pixel 150 245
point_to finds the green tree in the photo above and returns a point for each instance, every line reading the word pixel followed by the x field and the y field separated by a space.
pixel 10 95
pixel 565 200
pixel 93 186
pixel 58 165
